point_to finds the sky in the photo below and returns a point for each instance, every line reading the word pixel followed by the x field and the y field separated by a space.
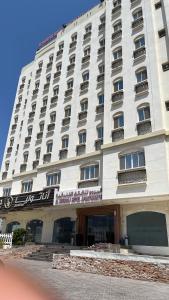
pixel 23 25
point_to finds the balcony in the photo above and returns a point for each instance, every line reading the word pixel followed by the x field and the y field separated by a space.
pixel 43 109
pixel 47 158
pixel 17 107
pixel 117 134
pixel 39 135
pixel 88 183
pixel 139 53
pixel 66 121
pixel 84 87
pixel 23 167
pixel 137 175
pixel 98 144
pixel 116 36
pixel 9 150
pixel 4 175
pixel 59 53
pixel 102 27
pixel 82 115
pixel 137 23
pixel 116 10
pixel 57 74
pixel 100 78
pixel 63 153
pixel 117 96
pixel 144 127
pixel 101 51
pixel 141 87
pixel 69 92
pixel 81 149
pixel 51 127
pixel 31 114
pixel 134 2
pixel 70 68
pixel 14 126
pixel 85 59
pixel 22 86
pixel 46 87
pixel 38 73
pixel 99 109
pixel 117 64
pixel 35 164
pixel 87 36
pixel 35 92
pixel 73 45
pixel 27 139
pixel 54 99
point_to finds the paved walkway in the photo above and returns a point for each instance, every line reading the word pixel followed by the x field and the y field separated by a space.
pixel 82 286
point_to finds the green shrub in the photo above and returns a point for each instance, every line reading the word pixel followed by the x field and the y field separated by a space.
pixel 19 236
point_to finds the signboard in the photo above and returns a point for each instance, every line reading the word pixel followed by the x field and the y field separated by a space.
pixel 79 196
pixel 28 200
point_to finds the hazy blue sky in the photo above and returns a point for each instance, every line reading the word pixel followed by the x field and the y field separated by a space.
pixel 23 24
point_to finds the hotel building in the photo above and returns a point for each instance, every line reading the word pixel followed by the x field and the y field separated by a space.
pixel 87 153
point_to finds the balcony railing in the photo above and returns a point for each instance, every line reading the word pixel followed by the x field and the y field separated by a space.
pixel 102 27
pixel 116 10
pixel 39 135
pixel 71 67
pixel 57 74
pixel 80 149
pixel 66 121
pixel 73 44
pixel 47 158
pixel 46 85
pixel 43 109
pixel 137 23
pixel 117 64
pixel 51 127
pixel 85 59
pixel 63 153
pixel 84 85
pixel 27 139
pixel 99 109
pixel 132 176
pixel 54 99
pixel 101 50
pixel 35 92
pixel 59 53
pixel 116 35
pixel 141 87
pixel 98 144
pixel 82 115
pixel 32 114
pixel 117 134
pixel 100 78
pixel 144 127
pixel 117 96
pixel 139 52
pixel 87 35
pixel 69 92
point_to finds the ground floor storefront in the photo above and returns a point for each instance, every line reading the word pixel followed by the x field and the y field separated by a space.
pixel 144 226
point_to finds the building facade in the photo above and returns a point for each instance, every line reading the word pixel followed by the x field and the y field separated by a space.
pixel 87 154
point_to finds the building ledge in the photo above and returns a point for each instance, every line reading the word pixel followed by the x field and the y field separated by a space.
pixel 132 184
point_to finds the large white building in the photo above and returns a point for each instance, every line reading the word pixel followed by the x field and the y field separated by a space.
pixel 87 154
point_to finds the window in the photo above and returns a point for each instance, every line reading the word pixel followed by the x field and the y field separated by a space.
pixel 85 76
pixel 82 137
pixel 30 130
pixel 56 90
pixel 53 179
pixel 141 75
pixel 37 83
pixel 89 172
pixel 59 67
pixel 116 3
pixel 74 37
pixel 65 142
pixel 118 85
pixel 70 84
pixel 165 66
pixel 84 105
pixel 48 78
pixel 61 46
pixel 53 117
pixel 6 192
pixel 100 132
pixel 72 59
pixel 102 42
pixel 162 33
pixel 102 19
pixel 49 147
pixel 41 126
pixel 101 68
pixel 16 120
pixel 6 165
pixel 117 26
pixel 11 142
pixel 144 113
pixel 40 64
pixel 51 58
pixel 88 28
pixel 27 186
pixel 67 111
pixel 25 157
pixel 45 101
pixel 118 121
pixel 101 99
pixel 33 106
pixel 132 160
pixel 139 42
pixel 37 153
pixel 137 14
pixel 87 51
pixel 117 53
pixel 158 5
pixel 167 105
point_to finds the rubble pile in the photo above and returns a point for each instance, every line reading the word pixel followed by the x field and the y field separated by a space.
pixel 122 269
pixel 18 252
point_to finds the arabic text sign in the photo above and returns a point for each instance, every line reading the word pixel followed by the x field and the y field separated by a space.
pixel 77 196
